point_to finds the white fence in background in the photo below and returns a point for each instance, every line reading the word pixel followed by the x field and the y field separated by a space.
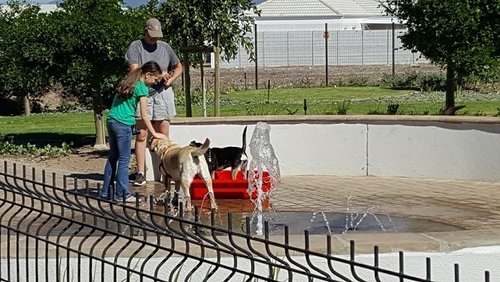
pixel 311 48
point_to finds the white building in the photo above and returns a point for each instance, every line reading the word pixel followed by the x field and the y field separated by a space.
pixel 314 32
pixel 44 8
pixel 307 14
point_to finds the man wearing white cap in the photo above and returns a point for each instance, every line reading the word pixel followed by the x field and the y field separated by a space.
pixel 161 101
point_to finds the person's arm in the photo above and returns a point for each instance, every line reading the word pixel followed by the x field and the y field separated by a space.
pixel 143 101
pixel 132 67
pixel 176 73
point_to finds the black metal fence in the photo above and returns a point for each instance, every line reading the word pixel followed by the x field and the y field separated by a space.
pixel 53 229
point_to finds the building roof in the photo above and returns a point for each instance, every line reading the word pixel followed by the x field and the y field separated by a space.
pixel 319 8
pixel 44 8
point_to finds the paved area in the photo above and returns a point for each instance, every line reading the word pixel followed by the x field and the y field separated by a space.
pixel 470 210
pixel 463 213
pixel 473 207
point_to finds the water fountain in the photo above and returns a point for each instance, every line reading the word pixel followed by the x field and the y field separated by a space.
pixel 264 172
pixel 354 217
pixel 263 157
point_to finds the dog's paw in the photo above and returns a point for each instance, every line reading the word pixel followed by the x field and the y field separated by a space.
pixel 165 198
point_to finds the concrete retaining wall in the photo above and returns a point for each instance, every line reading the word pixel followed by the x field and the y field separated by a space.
pixel 473 263
pixel 443 147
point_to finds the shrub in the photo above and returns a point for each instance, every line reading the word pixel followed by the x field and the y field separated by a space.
pixel 358 81
pixel 431 82
pixel 48 151
pixel 392 108
pixel 10 107
pixel 399 81
pixel 343 107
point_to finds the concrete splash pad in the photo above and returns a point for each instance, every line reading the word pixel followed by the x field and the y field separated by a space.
pixel 347 223
pixel 464 213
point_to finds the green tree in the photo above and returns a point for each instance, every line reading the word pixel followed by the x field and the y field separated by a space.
pixel 198 23
pixel 461 35
pixel 93 38
pixel 201 22
pixel 26 54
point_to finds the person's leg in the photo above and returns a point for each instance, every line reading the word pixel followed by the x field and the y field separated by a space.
pixel 140 153
pixel 141 144
pixel 110 168
pixel 123 141
pixel 162 126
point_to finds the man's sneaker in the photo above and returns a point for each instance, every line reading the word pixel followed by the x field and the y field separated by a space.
pixel 132 199
pixel 140 179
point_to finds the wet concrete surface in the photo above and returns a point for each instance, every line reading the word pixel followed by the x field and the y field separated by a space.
pixel 470 208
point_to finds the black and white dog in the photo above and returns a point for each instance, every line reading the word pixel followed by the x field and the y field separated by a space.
pixel 221 158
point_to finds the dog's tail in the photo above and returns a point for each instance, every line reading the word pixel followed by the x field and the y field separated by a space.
pixel 244 142
pixel 201 150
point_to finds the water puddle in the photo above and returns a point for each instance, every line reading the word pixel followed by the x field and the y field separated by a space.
pixel 338 223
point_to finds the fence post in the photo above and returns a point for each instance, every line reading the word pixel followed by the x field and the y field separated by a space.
pixel 326 35
pixel 388 43
pixel 337 48
pixel 312 48
pixel 217 80
pixel 393 50
pixel 362 47
pixel 187 84
pixel 288 48
pixel 256 56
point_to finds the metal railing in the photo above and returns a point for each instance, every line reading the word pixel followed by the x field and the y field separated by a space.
pixel 54 228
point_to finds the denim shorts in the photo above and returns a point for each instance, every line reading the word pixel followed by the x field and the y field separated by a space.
pixel 161 106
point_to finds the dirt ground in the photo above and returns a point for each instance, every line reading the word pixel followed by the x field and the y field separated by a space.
pixel 86 160
pixel 303 76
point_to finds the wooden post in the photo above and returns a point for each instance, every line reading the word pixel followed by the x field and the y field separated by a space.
pixel 186 50
pixel 187 85
pixel 203 87
pixel 217 82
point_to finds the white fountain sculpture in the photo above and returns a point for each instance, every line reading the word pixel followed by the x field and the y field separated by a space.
pixel 263 158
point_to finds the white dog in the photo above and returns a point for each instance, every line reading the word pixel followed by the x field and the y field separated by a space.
pixel 182 164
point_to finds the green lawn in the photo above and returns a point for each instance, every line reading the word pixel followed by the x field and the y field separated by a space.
pixel 354 100
pixel 313 94
pixel 320 101
pixel 67 123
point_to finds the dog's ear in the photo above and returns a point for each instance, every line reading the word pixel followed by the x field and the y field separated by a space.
pixel 206 143
pixel 193 143
pixel 152 143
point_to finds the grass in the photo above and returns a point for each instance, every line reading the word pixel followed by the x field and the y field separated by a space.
pixel 61 123
pixel 40 129
pixel 320 101
pixel 314 94
pixel 330 101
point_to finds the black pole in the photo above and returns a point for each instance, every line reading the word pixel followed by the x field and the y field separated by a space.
pixel 268 89
pixel 305 107
pixel 256 66
pixel 245 77
pixel 326 35
pixel 393 48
